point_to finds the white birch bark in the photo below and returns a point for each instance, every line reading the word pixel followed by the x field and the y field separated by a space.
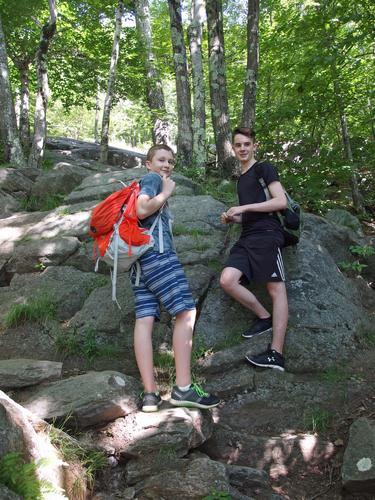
pixel 199 120
pixel 12 146
pixel 154 90
pixel 249 96
pixel 218 89
pixel 185 133
pixel 111 83
pixel 41 104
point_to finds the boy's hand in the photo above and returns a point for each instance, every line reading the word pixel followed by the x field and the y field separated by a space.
pixel 233 211
pixel 225 219
pixel 168 185
pixel 230 219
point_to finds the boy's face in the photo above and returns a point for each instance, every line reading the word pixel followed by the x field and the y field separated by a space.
pixel 243 147
pixel 162 162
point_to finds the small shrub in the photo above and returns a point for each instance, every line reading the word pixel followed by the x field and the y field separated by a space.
pixel 20 477
pixel 85 346
pixel 49 202
pixel 363 251
pixel 317 420
pixel 352 267
pixel 335 375
pixel 93 461
pixel 218 495
pixel 39 309
pixel 165 367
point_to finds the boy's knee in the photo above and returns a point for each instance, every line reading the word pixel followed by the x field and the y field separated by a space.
pixel 276 289
pixel 226 281
pixel 187 314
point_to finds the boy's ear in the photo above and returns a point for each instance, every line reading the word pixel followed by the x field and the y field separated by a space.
pixel 147 163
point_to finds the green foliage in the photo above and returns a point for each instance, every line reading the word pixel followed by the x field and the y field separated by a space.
pixel 20 477
pixel 200 350
pixel 217 495
pixel 215 265
pixel 231 339
pixel 48 202
pixel 356 267
pixel 363 251
pixel 180 229
pixel 165 367
pixel 366 336
pixel 352 267
pixel 72 451
pixel 335 375
pixel 224 191
pixel 84 345
pixel 317 420
pixel 38 309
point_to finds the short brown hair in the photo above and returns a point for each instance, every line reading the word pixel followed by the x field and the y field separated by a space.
pixel 248 132
pixel 157 147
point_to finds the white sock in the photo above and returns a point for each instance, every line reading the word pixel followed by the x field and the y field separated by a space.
pixel 184 388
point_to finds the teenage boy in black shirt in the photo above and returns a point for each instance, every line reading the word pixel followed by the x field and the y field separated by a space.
pixel 256 257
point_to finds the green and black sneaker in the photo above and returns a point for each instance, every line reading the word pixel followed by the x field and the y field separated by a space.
pixel 195 397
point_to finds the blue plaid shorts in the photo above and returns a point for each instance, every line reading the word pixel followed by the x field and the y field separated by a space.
pixel 162 281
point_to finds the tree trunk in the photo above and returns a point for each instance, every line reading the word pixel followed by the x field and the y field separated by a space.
pixel 97 112
pixel 356 195
pixel 25 105
pixel 111 83
pixel 199 122
pixel 12 146
pixel 185 133
pixel 40 119
pixel 372 118
pixel 218 89
pixel 154 90
pixel 249 96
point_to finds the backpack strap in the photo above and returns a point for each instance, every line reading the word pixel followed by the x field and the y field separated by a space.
pixel 266 191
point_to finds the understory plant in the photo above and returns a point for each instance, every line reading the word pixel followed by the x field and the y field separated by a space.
pixel 19 476
pixel 91 462
pixel 84 345
pixel 39 309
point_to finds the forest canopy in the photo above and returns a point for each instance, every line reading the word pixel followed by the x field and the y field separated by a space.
pixel 300 73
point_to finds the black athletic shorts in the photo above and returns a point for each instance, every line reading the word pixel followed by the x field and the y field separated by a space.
pixel 258 256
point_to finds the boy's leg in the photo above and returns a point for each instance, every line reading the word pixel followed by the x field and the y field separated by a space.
pixel 144 352
pixel 230 282
pixel 277 291
pixel 182 345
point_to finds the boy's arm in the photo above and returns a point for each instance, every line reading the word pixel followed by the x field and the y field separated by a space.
pixel 147 205
pixel 277 202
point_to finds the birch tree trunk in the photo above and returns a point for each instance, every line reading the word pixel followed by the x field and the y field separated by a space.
pixel 154 90
pixel 24 128
pixel 97 112
pixel 249 96
pixel 199 121
pixel 12 146
pixel 111 83
pixel 356 194
pixel 218 89
pixel 40 118
pixel 185 133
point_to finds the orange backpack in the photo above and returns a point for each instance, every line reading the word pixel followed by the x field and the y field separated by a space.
pixel 117 233
pixel 120 204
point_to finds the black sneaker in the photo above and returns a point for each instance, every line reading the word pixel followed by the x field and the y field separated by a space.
pixel 268 359
pixel 195 397
pixel 258 326
pixel 150 401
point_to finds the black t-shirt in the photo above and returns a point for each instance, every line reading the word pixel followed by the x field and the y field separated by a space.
pixel 250 191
